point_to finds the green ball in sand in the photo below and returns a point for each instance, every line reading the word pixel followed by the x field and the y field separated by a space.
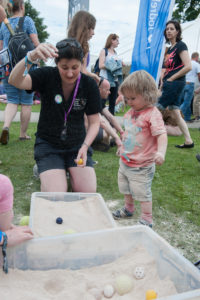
pixel 24 221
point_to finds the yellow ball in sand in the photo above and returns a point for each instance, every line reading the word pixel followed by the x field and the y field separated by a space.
pixel 151 294
pixel 69 231
pixel 24 221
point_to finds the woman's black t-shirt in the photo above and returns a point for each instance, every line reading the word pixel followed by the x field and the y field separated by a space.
pixel 172 61
pixel 47 82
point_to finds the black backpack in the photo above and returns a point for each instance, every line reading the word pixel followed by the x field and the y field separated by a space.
pixel 19 43
pixel 96 66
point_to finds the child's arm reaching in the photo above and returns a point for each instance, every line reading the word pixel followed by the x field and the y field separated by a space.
pixel 162 147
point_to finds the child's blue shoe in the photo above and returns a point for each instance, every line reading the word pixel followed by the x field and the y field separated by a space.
pixel 144 222
pixel 122 213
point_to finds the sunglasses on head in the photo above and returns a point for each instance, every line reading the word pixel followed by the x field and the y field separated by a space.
pixel 63 44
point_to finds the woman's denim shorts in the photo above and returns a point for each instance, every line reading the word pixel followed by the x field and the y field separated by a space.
pixel 171 94
pixel 49 157
pixel 17 96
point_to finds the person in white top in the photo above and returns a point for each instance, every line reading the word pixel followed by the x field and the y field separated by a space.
pixel 188 91
pixel 196 100
pixel 107 56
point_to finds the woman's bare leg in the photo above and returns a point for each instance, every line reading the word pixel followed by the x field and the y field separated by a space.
pixel 54 180
pixel 182 125
pixel 83 180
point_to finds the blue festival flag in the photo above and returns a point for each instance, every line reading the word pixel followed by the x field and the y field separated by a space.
pixel 149 39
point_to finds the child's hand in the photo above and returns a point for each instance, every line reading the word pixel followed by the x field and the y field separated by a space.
pixel 118 142
pixel 159 158
pixel 119 150
pixel 18 234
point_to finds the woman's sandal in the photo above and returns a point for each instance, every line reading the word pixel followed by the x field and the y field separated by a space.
pixel 122 213
pixel 24 138
pixel 185 146
pixel 4 136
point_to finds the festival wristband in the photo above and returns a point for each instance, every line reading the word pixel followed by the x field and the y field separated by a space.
pixel 27 62
pixel 1 235
pixel 4 247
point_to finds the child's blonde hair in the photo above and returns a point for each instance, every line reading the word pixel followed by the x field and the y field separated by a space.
pixel 141 83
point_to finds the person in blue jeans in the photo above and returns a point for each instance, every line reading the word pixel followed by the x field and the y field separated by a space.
pixel 15 96
pixel 188 91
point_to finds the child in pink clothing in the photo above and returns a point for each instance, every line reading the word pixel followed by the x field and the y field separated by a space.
pixel 144 145
pixel 15 234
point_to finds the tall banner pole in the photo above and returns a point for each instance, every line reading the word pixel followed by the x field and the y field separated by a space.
pixel 74 6
pixel 148 46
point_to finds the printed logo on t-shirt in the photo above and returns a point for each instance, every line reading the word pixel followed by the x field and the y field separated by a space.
pixel 79 104
pixel 58 99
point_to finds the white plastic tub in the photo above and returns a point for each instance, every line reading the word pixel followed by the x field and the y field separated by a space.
pixel 100 247
pixel 82 212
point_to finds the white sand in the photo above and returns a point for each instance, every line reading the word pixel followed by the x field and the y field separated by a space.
pixel 77 285
pixel 82 216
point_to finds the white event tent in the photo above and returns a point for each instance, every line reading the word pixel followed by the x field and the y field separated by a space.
pixel 191 35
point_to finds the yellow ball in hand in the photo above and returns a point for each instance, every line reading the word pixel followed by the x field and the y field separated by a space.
pixel 151 294
pixel 24 221
pixel 80 161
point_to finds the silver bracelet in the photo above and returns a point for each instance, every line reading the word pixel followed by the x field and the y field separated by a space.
pixel 84 143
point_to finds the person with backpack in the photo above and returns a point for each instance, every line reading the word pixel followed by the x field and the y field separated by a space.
pixel 15 96
pixel 111 68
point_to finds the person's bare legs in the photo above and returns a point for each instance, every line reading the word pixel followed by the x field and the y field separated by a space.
pixel 25 118
pixel 182 125
pixel 129 203
pixel 54 180
pixel 83 180
pixel 10 113
pixel 146 211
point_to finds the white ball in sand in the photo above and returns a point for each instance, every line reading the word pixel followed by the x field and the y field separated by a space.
pixel 123 284
pixel 24 221
pixel 139 272
pixel 108 291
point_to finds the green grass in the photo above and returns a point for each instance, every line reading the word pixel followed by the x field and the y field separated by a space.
pixel 35 108
pixel 176 185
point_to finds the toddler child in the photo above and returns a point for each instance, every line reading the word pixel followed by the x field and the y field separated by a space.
pixel 144 145
pixel 9 233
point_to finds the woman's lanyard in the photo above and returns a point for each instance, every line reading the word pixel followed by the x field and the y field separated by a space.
pixel 63 136
pixel 73 99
